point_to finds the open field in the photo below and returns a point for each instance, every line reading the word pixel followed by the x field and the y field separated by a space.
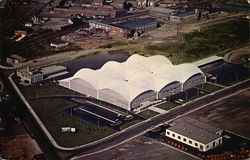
pixel 214 39
pixel 140 148
pixel 52 89
pixel 119 44
pixel 166 106
pixel 20 147
pixel 230 114
pixel 148 113
pixel 209 87
pixel 49 111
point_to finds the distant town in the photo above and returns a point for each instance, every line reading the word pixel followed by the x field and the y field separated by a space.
pixel 124 79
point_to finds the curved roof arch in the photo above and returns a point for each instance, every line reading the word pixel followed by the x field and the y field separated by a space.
pixel 137 75
pixel 187 70
pixel 160 59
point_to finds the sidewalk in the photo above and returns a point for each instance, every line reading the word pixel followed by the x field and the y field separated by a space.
pixel 158 110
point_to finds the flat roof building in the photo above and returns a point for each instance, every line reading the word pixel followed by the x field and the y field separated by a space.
pixel 15 59
pixel 194 133
pixel 127 28
pixel 33 75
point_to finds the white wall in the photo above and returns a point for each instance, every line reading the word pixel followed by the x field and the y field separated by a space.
pixel 195 144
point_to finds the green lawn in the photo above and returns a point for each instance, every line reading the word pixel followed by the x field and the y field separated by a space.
pixel 211 40
pixel 239 3
pixel 167 105
pixel 119 44
pixel 37 51
pixel 209 87
pixel 90 54
pixel 130 124
pixel 148 113
pixel 46 90
pixel 49 111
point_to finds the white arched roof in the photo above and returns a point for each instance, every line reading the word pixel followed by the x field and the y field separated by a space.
pixel 187 70
pixel 137 75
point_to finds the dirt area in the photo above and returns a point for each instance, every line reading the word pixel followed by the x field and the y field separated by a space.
pixel 140 148
pixel 230 114
pixel 21 147
pixel 165 33
pixel 237 55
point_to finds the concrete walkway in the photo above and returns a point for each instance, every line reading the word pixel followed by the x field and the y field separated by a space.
pixel 158 110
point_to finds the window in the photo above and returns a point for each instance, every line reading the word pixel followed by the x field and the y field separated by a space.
pixel 207 146
pixel 196 144
pixel 179 137
pixel 173 135
pixel 214 144
pixel 201 147
pixel 168 133
pixel 184 139
pixel 190 142
pixel 220 141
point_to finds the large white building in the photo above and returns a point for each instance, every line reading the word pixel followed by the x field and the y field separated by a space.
pixel 195 134
pixel 138 80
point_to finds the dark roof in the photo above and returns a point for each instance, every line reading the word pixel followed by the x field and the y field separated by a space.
pixel 133 24
pixel 198 124
pixel 118 1
pixel 98 1
pixel 194 133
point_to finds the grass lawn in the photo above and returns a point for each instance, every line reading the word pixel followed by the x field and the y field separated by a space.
pixel 49 111
pixel 39 51
pixel 211 40
pixel 130 124
pixel 167 105
pixel 239 3
pixel 148 113
pixel 209 87
pixel 119 44
pixel 193 98
pixel 90 54
pixel 46 90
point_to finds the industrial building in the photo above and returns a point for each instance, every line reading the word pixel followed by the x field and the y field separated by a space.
pixel 195 134
pixel 15 59
pixel 138 80
pixel 127 29
pixel 32 75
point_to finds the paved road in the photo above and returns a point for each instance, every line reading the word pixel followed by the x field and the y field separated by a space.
pixel 131 132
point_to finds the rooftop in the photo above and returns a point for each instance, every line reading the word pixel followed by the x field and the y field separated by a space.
pixel 133 24
pixel 197 124
pixel 193 132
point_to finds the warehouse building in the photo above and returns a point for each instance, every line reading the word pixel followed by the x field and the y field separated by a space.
pixel 32 75
pixel 138 80
pixel 195 133
pixel 125 29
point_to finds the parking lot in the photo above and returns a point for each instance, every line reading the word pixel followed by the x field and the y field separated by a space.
pixel 228 73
